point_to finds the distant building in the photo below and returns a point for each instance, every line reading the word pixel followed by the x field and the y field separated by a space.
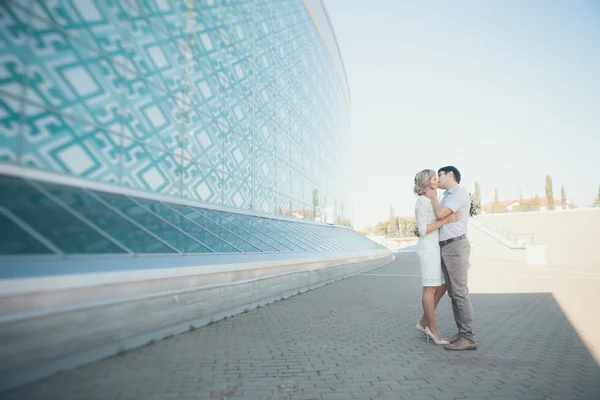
pixel 512 205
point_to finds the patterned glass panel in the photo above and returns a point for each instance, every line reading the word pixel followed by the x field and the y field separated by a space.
pixel 234 104
pixel 14 53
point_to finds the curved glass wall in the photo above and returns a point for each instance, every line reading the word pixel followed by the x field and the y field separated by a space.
pixel 234 103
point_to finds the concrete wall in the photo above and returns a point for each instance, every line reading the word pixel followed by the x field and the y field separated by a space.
pixel 52 324
pixel 485 244
pixel 572 237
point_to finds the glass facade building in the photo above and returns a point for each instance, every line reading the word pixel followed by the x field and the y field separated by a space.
pixel 170 127
pixel 240 104
pixel 164 163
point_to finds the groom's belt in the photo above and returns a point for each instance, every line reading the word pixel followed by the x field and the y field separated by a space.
pixel 445 242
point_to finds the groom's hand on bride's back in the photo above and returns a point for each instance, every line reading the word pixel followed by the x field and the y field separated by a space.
pixel 416 231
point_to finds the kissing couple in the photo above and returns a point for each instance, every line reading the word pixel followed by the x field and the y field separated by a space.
pixel 443 251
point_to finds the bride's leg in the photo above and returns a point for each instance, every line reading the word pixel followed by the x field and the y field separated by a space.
pixel 429 307
pixel 423 321
pixel 439 293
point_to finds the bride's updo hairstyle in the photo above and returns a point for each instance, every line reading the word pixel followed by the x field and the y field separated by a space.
pixel 422 180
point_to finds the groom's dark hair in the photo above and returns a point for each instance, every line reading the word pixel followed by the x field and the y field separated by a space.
pixel 452 169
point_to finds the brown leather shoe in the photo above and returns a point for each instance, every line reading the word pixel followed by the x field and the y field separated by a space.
pixel 461 345
pixel 454 338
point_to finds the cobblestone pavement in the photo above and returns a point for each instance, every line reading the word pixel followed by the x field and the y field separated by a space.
pixel 355 339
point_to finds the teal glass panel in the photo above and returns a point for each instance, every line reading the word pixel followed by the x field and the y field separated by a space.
pixel 338 234
pixel 315 231
pixel 264 234
pixel 157 226
pixel 14 240
pixel 226 223
pixel 286 227
pixel 192 229
pixel 257 223
pixel 216 229
pixel 119 228
pixel 310 236
pixel 57 225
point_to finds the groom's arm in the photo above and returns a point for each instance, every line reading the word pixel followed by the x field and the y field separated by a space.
pixel 441 212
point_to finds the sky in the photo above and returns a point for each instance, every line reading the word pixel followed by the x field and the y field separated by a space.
pixel 507 91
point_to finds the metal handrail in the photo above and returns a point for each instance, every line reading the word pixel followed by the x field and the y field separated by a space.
pixel 519 238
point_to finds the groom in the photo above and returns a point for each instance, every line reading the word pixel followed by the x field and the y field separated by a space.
pixel 455 248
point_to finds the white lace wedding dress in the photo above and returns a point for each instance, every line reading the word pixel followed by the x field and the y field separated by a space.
pixel 428 247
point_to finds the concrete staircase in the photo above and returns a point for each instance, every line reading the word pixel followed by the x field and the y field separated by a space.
pixel 503 244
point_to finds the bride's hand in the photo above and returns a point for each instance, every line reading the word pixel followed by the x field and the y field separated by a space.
pixel 430 193
pixel 457 216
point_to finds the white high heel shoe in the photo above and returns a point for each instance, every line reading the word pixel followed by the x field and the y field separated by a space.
pixel 430 336
pixel 421 329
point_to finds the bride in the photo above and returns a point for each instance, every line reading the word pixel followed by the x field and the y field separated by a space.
pixel 428 253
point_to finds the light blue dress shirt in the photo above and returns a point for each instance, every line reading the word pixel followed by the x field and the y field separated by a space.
pixel 456 199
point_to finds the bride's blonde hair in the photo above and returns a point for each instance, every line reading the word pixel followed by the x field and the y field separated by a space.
pixel 422 180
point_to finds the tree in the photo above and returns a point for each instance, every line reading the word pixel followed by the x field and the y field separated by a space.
pixel 344 222
pixel 535 203
pixel 498 207
pixel 520 196
pixel 392 222
pixel 367 231
pixel 549 193
pixel 381 228
pixel 563 197
pixel 477 193
pixel 407 225
pixel 597 201
pixel 395 226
